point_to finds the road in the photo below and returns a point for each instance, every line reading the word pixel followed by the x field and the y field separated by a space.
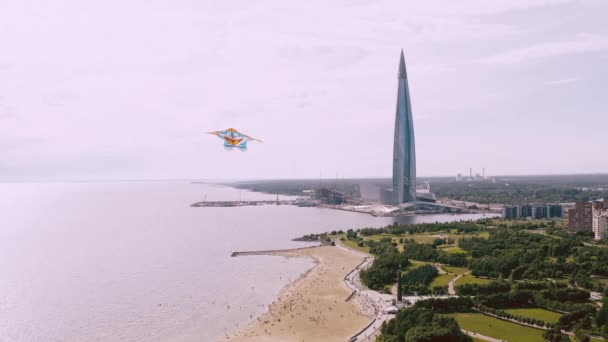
pixel 374 301
pixel 480 336
pixel 451 289
pixel 371 300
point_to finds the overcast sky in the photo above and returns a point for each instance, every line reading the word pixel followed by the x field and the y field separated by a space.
pixel 126 89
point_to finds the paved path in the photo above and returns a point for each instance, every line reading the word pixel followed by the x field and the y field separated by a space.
pixel 480 336
pixel 372 299
pixel 451 290
pixel 369 298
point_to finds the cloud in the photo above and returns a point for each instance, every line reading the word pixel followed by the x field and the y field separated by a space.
pixel 583 43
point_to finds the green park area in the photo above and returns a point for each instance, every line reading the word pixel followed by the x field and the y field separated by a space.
pixel 600 280
pixel 442 280
pixel 497 328
pixel 353 244
pixel 454 249
pixel 455 270
pixel 536 313
pixel 469 279
pixel 429 238
pixel 548 273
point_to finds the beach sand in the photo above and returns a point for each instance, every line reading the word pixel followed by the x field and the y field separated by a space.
pixel 313 308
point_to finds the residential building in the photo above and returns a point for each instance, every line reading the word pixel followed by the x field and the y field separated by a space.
pixel 509 212
pixel 600 224
pixel 580 218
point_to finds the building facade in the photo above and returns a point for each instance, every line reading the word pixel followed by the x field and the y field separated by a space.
pixel 404 149
pixel 539 212
pixel 580 218
pixel 524 211
pixel 600 224
pixel 535 211
pixel 509 212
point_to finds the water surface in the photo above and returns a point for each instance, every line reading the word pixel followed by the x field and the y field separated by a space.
pixel 134 262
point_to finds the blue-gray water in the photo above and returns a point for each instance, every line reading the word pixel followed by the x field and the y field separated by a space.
pixel 133 262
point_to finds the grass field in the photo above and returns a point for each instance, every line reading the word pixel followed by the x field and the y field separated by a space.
pixel 442 280
pixel 426 237
pixel 559 223
pixel 603 281
pixel 455 270
pixel 353 244
pixel 469 279
pixel 536 313
pixel 454 250
pixel 494 327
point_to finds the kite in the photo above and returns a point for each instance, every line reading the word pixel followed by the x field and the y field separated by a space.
pixel 233 138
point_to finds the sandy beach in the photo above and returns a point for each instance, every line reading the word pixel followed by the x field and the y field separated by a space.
pixel 312 308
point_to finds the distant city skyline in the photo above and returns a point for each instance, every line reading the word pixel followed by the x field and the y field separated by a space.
pixel 127 89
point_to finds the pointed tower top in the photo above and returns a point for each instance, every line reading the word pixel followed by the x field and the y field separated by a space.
pixel 402 71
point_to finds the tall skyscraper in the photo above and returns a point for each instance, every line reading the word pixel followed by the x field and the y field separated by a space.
pixel 404 149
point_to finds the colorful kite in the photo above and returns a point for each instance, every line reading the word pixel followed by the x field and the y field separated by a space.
pixel 233 138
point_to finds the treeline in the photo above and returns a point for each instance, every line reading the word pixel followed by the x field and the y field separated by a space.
pixel 400 229
pixel 420 324
pixel 506 315
pixel 381 247
pixel 516 192
pixel 384 270
pixel 519 255
pixel 426 252
pixel 482 289
pixel 423 275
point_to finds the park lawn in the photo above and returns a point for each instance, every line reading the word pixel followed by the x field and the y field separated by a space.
pixel 422 238
pixel 352 244
pixel 485 234
pixel 431 237
pixel 428 238
pixel 455 270
pixel 603 281
pixel 469 279
pixel 497 328
pixel 416 264
pixel 536 313
pixel 442 280
pixel 456 250
pixel 379 237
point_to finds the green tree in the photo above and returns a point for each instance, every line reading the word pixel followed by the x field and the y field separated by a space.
pixel 399 287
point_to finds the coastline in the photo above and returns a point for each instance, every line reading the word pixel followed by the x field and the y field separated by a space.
pixel 313 307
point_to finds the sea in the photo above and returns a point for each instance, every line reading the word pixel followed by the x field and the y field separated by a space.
pixel 132 261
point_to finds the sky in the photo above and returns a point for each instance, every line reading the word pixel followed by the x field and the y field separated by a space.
pixel 126 89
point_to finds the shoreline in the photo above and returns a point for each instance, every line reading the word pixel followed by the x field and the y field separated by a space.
pixel 313 307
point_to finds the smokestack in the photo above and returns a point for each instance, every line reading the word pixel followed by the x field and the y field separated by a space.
pixel 484 173
pixel 471 172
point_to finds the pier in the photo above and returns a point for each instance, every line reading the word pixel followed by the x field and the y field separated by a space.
pixel 297 202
